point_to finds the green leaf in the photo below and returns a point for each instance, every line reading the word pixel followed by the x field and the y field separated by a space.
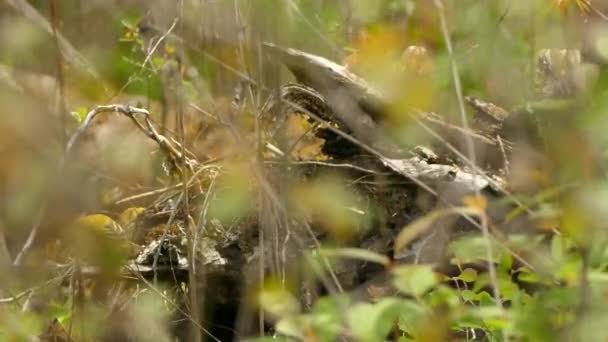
pixel 482 281
pixel 332 304
pixel 529 278
pixel 569 271
pixel 278 301
pixel 327 327
pixel 485 299
pixel 128 24
pixel 414 279
pixel 158 61
pixel 327 316
pixel 411 316
pixel 545 209
pixel 61 311
pixel 292 326
pixel 525 275
pixel 557 248
pixel 506 262
pixel 373 322
pixel 79 114
pixel 493 317
pixel 442 295
pixel 467 295
pixel 598 281
pixel 470 249
pixel 17 326
pixel 469 275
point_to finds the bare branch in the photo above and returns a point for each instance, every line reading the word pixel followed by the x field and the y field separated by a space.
pixel 130 112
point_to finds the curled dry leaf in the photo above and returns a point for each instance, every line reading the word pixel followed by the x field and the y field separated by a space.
pixel 413 230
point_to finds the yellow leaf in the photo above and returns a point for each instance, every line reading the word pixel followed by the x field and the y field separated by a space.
pixel 477 202
pixel 98 223
pixel 547 223
pixel 129 215
pixel 170 49
pixel 583 6
pixel 97 240
pixel 375 48
pixel 275 299
pixel 563 6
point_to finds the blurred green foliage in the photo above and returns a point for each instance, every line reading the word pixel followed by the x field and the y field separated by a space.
pixel 182 63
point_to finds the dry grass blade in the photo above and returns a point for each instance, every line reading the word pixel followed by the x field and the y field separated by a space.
pixel 356 253
pixel 413 230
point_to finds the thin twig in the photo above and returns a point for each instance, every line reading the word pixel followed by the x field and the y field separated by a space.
pixel 157 44
pixel 270 193
pixel 168 188
pixel 455 78
pixel 328 164
pixel 491 268
pixel 314 28
pixel 212 58
pixel 68 51
pixel 59 65
pixel 16 297
pixel 130 112
pixel 260 197
pixel 471 151
pixel 163 237
pixel 584 286
pixel 178 308
pixel 595 10
pixel 190 227
pixel 149 54
pixel 504 154
pixel 148 194
pixel 74 292
pixel 300 138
